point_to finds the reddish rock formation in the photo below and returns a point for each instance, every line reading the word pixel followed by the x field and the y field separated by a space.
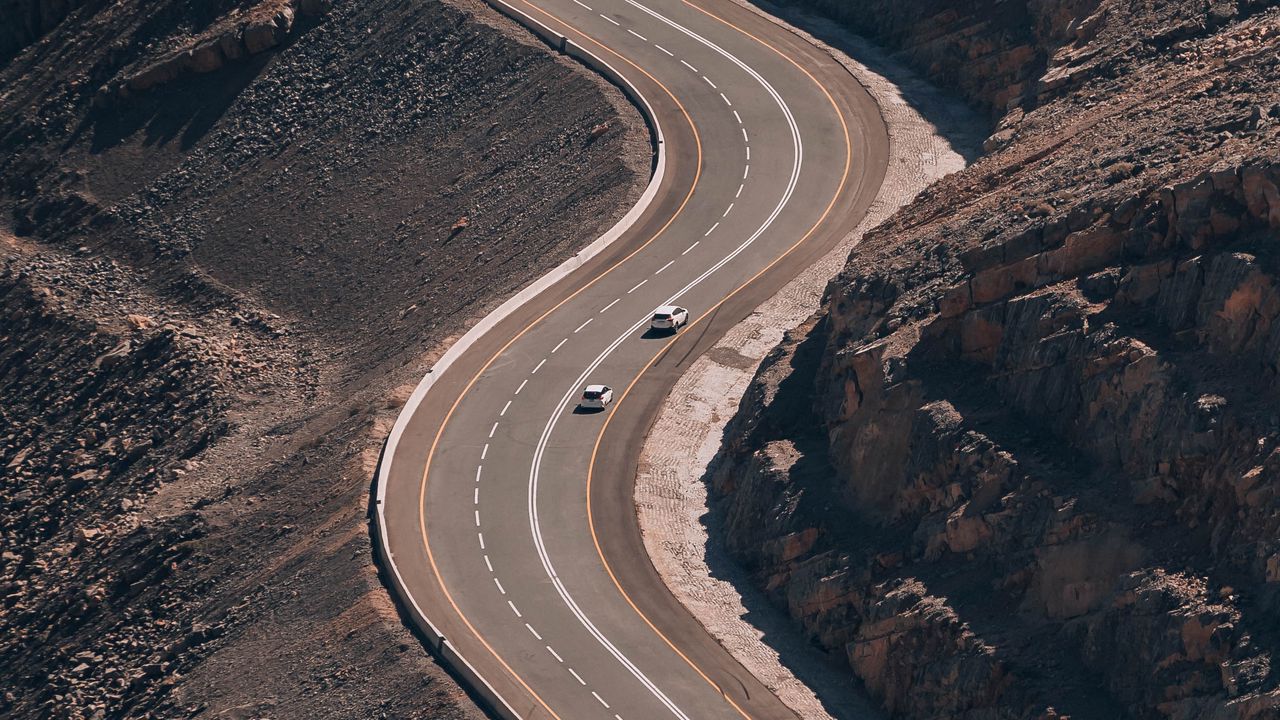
pixel 1031 440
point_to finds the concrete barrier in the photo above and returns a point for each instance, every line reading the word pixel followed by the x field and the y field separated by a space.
pixel 444 651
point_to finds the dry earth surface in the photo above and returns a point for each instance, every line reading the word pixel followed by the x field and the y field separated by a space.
pixel 234 233
pixel 1023 462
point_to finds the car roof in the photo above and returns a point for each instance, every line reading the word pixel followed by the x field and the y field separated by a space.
pixel 595 388
pixel 665 310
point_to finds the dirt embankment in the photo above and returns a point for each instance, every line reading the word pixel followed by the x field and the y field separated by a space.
pixel 215 291
pixel 1023 464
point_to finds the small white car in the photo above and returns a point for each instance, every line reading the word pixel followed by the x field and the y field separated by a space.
pixel 669 317
pixel 596 397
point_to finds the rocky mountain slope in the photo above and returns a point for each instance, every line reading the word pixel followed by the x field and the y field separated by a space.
pixel 1024 462
pixel 234 233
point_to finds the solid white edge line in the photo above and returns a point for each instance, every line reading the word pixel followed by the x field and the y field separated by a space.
pixel 540 447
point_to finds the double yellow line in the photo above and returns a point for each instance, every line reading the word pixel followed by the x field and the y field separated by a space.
pixel 422 526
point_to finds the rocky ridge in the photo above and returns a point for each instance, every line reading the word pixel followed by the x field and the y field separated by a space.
pixel 1023 463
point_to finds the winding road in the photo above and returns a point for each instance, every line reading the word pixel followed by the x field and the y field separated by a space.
pixel 509 516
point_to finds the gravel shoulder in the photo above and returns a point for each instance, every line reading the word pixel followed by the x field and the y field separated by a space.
pixel 931 135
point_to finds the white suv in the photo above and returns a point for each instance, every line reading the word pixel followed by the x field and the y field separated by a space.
pixel 669 317
pixel 596 397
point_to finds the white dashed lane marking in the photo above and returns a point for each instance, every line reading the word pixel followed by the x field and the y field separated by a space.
pixel 597 697
pixel 481 536
pixel 535 632
pixel 554 654
pixel 739 117
pixel 606 307
pixel 583 4
pixel 514 609
pixel 477 518
pixel 478 469
pixel 577 677
pixel 744 136
pixel 588 322
pixel 637 287
pixel 745 169
pixel 476 499
pixel 739 190
pixel 713 85
pixel 726 99
pixel 728 210
pixel 487 563
pixel 633 32
pixel 748 152
pixel 668 52
pixel 606 17
pixel 483 453
pixel 539 366
pixel 505 408
pixel 694 245
pixel 501 589
pixel 713 229
pixel 682 62
pixel 664 267
pixel 559 344
pixel 522 384
pixel 493 429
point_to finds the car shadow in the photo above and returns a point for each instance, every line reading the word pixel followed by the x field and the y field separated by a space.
pixel 579 410
pixel 652 333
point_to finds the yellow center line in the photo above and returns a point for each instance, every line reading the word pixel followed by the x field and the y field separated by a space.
pixel 623 396
pixel 422 492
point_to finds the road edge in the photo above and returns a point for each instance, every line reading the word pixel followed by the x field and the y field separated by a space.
pixel 442 649
pixel 669 496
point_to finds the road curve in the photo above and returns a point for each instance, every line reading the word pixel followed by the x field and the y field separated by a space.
pixel 508 514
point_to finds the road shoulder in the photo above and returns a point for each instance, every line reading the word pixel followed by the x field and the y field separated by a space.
pixel 931 135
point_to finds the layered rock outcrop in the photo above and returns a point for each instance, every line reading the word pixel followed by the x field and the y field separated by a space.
pixel 1024 464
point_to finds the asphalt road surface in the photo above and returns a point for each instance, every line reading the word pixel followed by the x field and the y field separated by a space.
pixel 509 514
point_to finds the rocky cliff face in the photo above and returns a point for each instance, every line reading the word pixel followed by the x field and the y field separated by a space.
pixel 1024 462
